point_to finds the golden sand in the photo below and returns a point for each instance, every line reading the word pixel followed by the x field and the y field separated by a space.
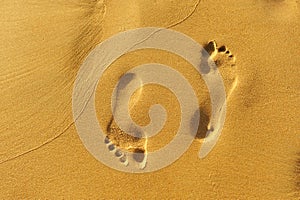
pixel 43 44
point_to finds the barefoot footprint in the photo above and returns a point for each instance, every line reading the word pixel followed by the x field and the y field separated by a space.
pixel 119 142
pixel 225 62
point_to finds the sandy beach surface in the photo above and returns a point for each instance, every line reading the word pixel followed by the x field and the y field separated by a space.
pixel 43 44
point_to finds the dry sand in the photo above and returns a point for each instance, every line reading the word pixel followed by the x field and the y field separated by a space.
pixel 43 44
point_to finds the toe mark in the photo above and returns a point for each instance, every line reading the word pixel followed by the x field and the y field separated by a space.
pixel 139 155
pixel 210 47
pixel 111 147
pixel 222 49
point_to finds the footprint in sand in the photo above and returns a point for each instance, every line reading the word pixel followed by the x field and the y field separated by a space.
pixel 118 141
pixel 225 62
pixel 223 59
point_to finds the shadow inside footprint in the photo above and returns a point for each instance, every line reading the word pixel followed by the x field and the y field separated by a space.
pixel 125 80
pixel 210 47
pixel 139 155
pixel 203 123
pixel 204 65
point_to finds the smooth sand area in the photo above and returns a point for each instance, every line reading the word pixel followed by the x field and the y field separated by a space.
pixel 43 44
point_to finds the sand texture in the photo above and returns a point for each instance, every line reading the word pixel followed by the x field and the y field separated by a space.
pixel 254 44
